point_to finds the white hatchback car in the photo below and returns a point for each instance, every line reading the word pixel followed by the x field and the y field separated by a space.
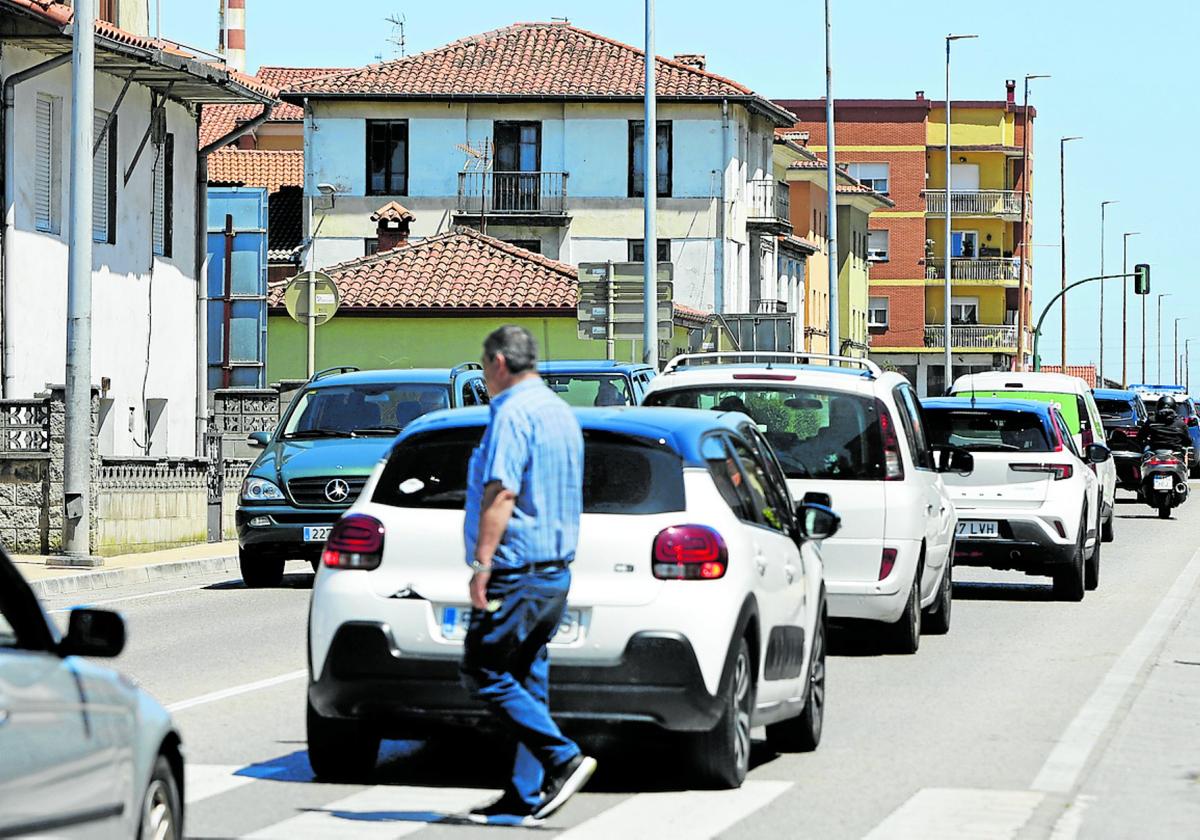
pixel 696 601
pixel 1031 503
pixel 852 437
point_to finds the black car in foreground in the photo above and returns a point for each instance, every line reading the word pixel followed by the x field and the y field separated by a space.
pixel 1123 413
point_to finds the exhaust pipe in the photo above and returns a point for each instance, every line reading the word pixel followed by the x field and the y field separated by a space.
pixel 1014 555
pixel 1181 488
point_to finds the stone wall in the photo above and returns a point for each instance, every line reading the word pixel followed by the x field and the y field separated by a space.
pixel 147 504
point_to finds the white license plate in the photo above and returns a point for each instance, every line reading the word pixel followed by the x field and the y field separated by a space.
pixel 317 533
pixel 455 621
pixel 1163 482
pixel 974 529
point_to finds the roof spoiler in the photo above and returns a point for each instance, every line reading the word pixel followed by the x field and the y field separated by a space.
pixel 771 356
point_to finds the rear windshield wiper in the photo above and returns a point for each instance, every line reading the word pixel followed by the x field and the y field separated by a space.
pixel 314 433
pixel 376 430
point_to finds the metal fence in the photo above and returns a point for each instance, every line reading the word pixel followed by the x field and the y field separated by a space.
pixel 975 202
pixel 769 200
pixel 515 193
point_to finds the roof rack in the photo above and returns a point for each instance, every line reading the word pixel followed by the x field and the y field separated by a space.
pixel 772 356
pixel 333 371
pixel 458 370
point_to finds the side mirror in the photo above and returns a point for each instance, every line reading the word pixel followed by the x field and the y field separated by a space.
pixel 951 459
pixel 92 632
pixel 1097 453
pixel 259 440
pixel 816 522
pixel 1193 421
pixel 812 497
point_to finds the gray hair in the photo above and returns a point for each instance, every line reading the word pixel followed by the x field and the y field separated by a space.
pixel 517 345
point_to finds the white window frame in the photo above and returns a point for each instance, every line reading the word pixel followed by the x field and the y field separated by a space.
pixel 882 184
pixel 876 254
pixel 873 306
pixel 48 141
pixel 963 305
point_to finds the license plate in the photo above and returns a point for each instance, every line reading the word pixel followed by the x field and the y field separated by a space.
pixel 1163 482
pixel 455 620
pixel 974 529
pixel 317 533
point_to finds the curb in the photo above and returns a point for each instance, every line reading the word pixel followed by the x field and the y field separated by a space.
pixel 111 578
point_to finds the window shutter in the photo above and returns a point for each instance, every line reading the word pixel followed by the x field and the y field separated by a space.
pixel 100 181
pixel 160 199
pixel 44 165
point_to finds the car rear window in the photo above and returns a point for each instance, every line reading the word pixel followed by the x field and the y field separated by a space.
pixel 816 433
pixel 1116 409
pixel 621 474
pixel 986 430
pixel 585 390
pixel 1067 404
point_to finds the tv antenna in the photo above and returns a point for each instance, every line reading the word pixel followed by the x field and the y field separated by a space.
pixel 476 173
pixel 398 39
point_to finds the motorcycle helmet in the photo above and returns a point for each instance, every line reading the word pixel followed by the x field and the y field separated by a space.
pixel 1167 401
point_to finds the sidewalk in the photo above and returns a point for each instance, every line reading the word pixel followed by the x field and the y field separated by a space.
pixel 127 569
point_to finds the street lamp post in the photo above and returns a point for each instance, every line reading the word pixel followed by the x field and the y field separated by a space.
pixel 1158 363
pixel 834 337
pixel 947 362
pixel 1100 374
pixel 1022 284
pixel 1125 312
pixel 650 203
pixel 1175 353
pixel 1062 219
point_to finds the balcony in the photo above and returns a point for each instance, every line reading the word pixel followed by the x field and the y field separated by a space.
pixel 767 306
pixel 515 195
pixel 1003 203
pixel 769 204
pixel 973 336
pixel 999 270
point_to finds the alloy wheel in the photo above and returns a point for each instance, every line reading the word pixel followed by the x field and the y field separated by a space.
pixel 741 704
pixel 816 688
pixel 158 820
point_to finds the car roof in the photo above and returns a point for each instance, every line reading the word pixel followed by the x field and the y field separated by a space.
pixel 416 376
pixel 680 428
pixel 991 404
pixel 849 379
pixel 1114 394
pixel 590 366
pixel 1002 380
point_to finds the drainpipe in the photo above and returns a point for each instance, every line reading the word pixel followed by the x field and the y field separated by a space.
pixel 5 203
pixel 719 253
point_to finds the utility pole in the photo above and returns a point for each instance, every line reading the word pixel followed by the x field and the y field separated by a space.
pixel 77 467
pixel 1062 219
pixel 1100 375
pixel 831 190
pixel 947 286
pixel 1158 349
pixel 1175 352
pixel 650 205
pixel 1125 312
pixel 1023 283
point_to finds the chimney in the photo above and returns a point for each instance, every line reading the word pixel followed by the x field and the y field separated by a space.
pixel 233 34
pixel 694 60
pixel 920 96
pixel 391 226
pixel 1010 86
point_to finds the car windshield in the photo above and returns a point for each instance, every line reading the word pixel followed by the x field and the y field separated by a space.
pixel 362 410
pixel 986 430
pixel 621 474
pixel 1116 409
pixel 582 390
pixel 816 433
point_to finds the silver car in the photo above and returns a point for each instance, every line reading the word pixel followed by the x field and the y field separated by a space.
pixel 83 751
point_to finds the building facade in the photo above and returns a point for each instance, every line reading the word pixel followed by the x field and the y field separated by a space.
pixel 897 147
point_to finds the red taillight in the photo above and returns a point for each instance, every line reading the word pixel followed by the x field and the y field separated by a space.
pixel 356 542
pixel 887 562
pixel 689 552
pixel 1059 471
pixel 893 464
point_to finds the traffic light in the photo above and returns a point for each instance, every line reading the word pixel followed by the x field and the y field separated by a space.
pixel 1141 279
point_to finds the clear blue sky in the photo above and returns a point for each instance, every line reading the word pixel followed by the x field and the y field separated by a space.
pixel 1124 78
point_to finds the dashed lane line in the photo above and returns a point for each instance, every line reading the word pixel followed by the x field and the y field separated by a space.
pixel 234 691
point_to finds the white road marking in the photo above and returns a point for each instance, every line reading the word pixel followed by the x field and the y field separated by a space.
pixel 956 814
pixel 1066 761
pixel 691 814
pixel 378 813
pixel 1070 823
pixel 206 780
pixel 234 691
pixel 130 598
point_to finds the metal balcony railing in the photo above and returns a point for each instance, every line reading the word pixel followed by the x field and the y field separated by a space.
pixel 996 269
pixel 976 202
pixel 513 193
pixel 767 306
pixel 973 336
pixel 769 201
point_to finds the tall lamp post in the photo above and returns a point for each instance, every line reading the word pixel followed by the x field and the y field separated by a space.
pixel 1125 312
pixel 1062 225
pixel 947 362
pixel 1158 363
pixel 1022 284
pixel 834 338
pixel 1175 363
pixel 1100 375
pixel 650 204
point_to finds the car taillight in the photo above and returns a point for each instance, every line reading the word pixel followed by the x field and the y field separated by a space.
pixel 356 542
pixel 1162 462
pixel 1059 471
pixel 893 464
pixel 887 562
pixel 689 552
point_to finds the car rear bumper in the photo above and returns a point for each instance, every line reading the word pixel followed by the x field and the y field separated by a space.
pixel 367 677
pixel 1027 544
pixel 283 533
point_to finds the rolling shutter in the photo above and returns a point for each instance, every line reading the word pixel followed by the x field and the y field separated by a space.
pixel 100 180
pixel 160 199
pixel 45 159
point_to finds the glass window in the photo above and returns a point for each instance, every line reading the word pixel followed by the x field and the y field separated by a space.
pixel 387 157
pixel 1064 431
pixel 877 245
pixel 764 504
pixel 776 481
pixel 1117 410
pixel 816 433
pixel 8 636
pixel 637 154
pixel 914 426
pixel 987 431
pixel 877 312
pixel 964 310
pixel 873 175
pixel 637 250
pixel 587 390
pixel 964 244
pixel 726 474
pixel 359 410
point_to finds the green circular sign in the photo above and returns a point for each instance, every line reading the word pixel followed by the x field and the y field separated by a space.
pixel 325 293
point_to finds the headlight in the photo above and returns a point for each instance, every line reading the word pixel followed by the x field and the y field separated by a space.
pixel 260 490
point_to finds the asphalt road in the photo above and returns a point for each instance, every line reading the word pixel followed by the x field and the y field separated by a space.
pixel 996 728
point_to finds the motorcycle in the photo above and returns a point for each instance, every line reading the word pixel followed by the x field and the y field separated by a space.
pixel 1164 480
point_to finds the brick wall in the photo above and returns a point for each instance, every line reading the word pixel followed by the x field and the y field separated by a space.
pixel 906 316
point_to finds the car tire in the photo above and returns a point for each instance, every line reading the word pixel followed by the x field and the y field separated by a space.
pixel 905 634
pixel 1091 570
pixel 1069 582
pixel 259 572
pixel 1164 511
pixel 722 755
pixel 1106 530
pixel 162 814
pixel 803 732
pixel 936 620
pixel 340 750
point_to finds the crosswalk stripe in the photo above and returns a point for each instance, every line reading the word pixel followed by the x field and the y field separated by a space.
pixel 377 813
pixel 202 781
pixel 692 814
pixel 955 814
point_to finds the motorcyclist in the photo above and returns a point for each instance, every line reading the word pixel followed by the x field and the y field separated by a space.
pixel 1166 430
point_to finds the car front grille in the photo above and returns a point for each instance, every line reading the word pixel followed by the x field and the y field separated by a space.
pixel 313 492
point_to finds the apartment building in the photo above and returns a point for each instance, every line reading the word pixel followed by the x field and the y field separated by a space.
pixel 897 147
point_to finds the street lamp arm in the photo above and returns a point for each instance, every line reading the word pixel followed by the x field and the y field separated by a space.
pixel 1037 331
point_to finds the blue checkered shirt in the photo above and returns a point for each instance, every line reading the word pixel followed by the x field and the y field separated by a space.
pixel 533 446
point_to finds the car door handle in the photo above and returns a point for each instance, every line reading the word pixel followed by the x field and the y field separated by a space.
pixel 761 564
pixel 790 571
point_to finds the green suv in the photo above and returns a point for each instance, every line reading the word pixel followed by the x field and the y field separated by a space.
pixel 315 464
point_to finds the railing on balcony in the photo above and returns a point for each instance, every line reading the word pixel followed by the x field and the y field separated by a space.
pixel 997 269
pixel 512 193
pixel 976 202
pixel 769 201
pixel 767 306
pixel 973 336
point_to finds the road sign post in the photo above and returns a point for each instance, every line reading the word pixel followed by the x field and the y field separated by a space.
pixel 612 303
pixel 610 344
pixel 319 288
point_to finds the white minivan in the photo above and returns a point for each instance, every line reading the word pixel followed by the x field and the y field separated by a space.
pixel 850 436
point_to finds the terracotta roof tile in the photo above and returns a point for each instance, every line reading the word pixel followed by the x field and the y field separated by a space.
pixel 256 168
pixel 393 211
pixel 1085 372
pixel 219 120
pixel 462 269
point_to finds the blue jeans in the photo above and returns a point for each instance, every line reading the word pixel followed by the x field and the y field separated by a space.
pixel 505 665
